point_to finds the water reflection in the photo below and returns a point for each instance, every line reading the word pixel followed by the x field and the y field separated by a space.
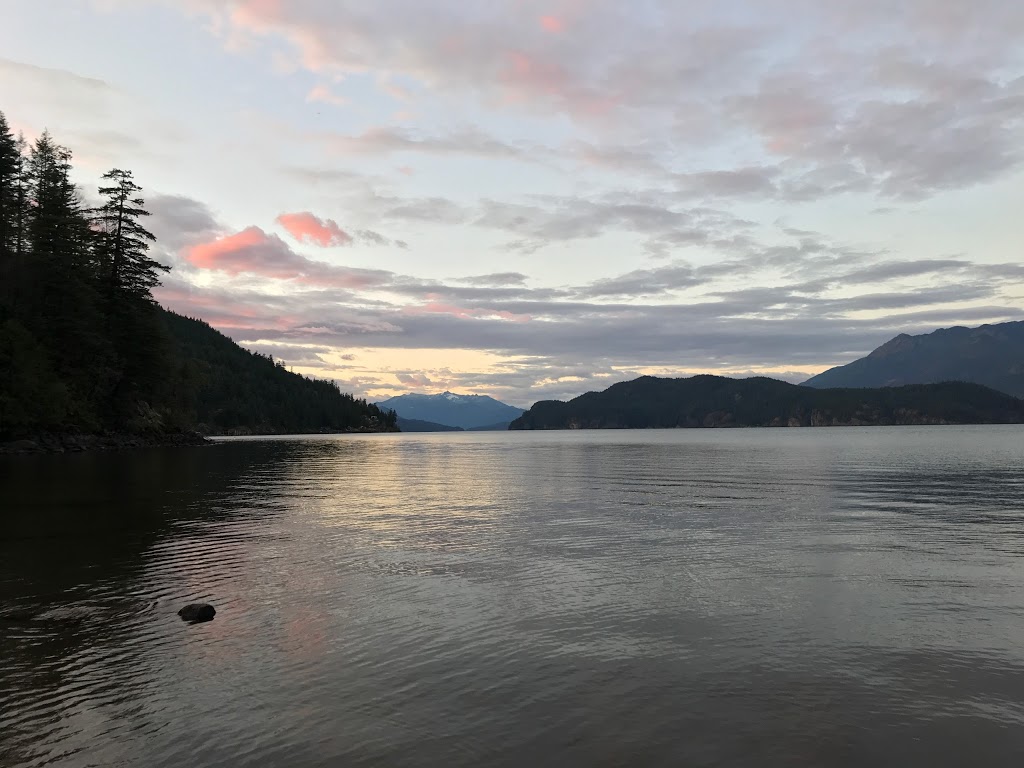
pixel 748 597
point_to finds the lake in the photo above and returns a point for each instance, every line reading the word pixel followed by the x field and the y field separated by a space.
pixel 832 597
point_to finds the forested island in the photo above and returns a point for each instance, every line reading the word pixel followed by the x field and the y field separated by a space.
pixel 715 401
pixel 87 356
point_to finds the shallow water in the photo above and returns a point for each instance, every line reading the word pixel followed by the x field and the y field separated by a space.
pixel 736 597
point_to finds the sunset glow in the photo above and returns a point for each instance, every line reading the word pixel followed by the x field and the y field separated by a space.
pixel 534 199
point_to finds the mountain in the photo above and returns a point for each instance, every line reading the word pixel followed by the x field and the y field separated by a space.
pixel 714 401
pixel 466 411
pixel 416 425
pixel 992 355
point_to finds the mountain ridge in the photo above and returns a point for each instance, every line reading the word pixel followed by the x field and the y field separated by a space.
pixel 991 355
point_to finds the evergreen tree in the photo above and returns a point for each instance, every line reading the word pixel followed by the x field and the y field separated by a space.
pixel 57 226
pixel 21 200
pixel 127 267
pixel 58 297
pixel 10 176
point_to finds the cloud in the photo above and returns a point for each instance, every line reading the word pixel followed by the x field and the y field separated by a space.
pixel 552 24
pixel 630 321
pixel 177 220
pixel 905 103
pixel 644 282
pixel 324 95
pixel 254 252
pixel 383 141
pixel 415 380
pixel 736 330
pixel 307 228
pixel 495 279
pixel 310 229
pixel 565 218
pixel 615 172
pixel 369 237
pixel 53 78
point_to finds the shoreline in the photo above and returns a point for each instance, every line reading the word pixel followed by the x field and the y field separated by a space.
pixel 71 442
pixel 51 443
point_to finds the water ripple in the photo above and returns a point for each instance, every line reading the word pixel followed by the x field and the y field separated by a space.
pixel 747 597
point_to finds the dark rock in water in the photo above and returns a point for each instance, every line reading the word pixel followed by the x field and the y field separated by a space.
pixel 197 612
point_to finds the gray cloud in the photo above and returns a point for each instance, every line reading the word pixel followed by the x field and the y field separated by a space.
pixel 178 221
pixel 369 237
pixel 644 282
pixel 54 78
pixel 495 278
pixel 884 271
pixel 466 141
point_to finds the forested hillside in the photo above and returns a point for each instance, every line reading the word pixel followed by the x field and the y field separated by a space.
pixel 992 355
pixel 219 387
pixel 715 401
pixel 84 348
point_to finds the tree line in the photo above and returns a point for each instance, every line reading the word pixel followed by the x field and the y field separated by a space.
pixel 84 347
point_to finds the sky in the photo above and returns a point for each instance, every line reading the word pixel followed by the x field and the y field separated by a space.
pixel 536 198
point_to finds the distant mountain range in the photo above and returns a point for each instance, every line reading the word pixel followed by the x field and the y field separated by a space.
pixel 992 355
pixel 471 412
pixel 714 401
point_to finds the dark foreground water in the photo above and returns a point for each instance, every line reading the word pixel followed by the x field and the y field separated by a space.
pixel 700 598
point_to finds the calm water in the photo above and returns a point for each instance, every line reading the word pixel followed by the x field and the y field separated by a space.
pixel 748 597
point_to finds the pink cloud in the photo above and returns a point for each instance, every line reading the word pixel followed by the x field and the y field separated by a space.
pixel 552 24
pixel 252 251
pixel 417 42
pixel 307 228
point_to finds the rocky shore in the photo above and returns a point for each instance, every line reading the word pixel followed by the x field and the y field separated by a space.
pixel 76 443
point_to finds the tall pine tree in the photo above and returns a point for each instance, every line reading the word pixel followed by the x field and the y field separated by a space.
pixel 128 275
pixel 10 176
pixel 127 267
